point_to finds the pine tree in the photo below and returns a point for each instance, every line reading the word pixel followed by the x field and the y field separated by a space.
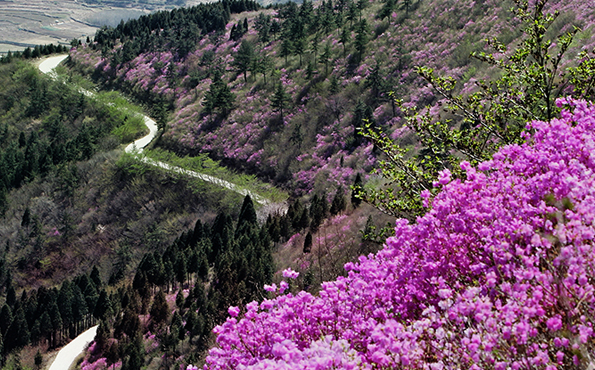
pixel 338 204
pixel 192 323
pixel 159 310
pixel 11 296
pixel 180 299
pixel 65 303
pixel 96 277
pixel 280 99
pixel 287 48
pixel 247 217
pixel 57 323
pixel 243 58
pixel 219 96
pixel 79 305
pixel 45 326
pixel 299 47
pixel 18 334
pixel 263 26
pixel 325 57
pixel 387 9
pixel 357 187
pixel 103 308
pixel 375 81
pixel 38 359
pixel 113 353
pixel 26 220
pixel 102 336
pixel 135 352
pixel 181 269
pixel 5 318
pixel 361 39
pixel 308 243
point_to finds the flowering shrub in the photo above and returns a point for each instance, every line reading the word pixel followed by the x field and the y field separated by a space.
pixel 499 273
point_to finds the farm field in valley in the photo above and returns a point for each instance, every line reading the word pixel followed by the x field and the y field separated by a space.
pixel 41 22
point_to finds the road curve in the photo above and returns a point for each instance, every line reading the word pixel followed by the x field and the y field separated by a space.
pixel 48 65
pixel 72 350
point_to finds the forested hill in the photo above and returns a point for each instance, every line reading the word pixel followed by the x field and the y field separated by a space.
pixel 282 92
pixel 312 98
pixel 287 92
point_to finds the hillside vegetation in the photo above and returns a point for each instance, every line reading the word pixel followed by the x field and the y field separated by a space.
pixel 313 98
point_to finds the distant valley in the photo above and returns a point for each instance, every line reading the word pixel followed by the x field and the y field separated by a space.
pixel 41 22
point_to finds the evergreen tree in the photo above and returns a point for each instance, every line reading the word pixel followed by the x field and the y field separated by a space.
pixel 26 220
pixel 247 217
pixel 129 324
pixel 65 303
pixel 304 220
pixel 243 58
pixel 361 39
pixel 308 243
pixel 36 52
pixel 79 304
pixel 287 48
pixel 325 57
pixel 180 268
pixel 113 353
pixel 299 47
pixel 387 9
pixel 357 187
pixel 219 96
pixel 263 26
pixel 135 351
pixel 103 308
pixel 56 319
pixel 180 299
pixel 38 359
pixel 280 99
pixel 275 29
pixel 102 336
pixel 375 81
pixel 11 296
pixel 338 204
pixel 159 310
pixel 18 334
pixel 192 323
pixel 407 5
pixel 5 318
pixel 45 326
pixel 96 277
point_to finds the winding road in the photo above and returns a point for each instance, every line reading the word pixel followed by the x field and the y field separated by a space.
pixel 72 350
pixel 136 148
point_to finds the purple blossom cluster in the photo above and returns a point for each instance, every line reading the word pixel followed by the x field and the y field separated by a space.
pixel 500 273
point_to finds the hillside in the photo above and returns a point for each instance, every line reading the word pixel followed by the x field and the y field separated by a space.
pixel 330 81
pixel 312 99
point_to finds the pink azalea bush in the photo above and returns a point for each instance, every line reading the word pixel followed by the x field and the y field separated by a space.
pixel 500 273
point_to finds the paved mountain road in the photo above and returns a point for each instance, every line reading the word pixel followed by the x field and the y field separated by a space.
pixel 47 66
pixel 72 350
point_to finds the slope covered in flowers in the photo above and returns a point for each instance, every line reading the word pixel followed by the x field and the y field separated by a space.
pixel 313 144
pixel 499 274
